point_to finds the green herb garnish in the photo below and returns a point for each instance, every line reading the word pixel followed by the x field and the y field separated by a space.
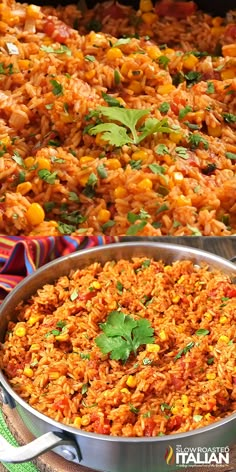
pixel 230 155
pixel 164 107
pixel 90 58
pixel 65 228
pixel 202 332
pixel 102 172
pixel 57 88
pixel 184 111
pixel 210 87
pixel 229 117
pixel 184 350
pixel 74 294
pixel 62 50
pixel 47 176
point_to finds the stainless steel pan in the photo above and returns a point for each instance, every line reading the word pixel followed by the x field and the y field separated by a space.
pixel 100 452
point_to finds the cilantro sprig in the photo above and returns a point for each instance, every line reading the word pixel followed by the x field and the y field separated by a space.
pixel 123 335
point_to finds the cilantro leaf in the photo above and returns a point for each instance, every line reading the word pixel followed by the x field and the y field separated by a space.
pixel 210 87
pixel 121 42
pixel 152 125
pixel 134 229
pixel 231 155
pixel 128 117
pixel 163 61
pixel 229 117
pixel 57 88
pixel 47 176
pixel 90 58
pixel 184 350
pixel 136 164
pixel 102 172
pixel 182 152
pixel 195 231
pixel 117 77
pixel 73 197
pixel 18 159
pixel 115 135
pixel 62 50
pixel 122 335
pixel 156 169
pixel 202 332
pixel 111 101
pixel 195 139
pixel 161 149
pixel 164 107
pixel 65 229
pixel 184 111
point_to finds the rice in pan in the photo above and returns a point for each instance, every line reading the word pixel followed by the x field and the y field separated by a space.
pixel 117 122
pixel 133 348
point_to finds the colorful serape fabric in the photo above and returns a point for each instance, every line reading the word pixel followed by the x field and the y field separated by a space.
pixel 20 257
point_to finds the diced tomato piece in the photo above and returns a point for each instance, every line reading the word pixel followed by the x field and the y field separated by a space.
pixel 102 428
pixel 61 404
pixel 174 422
pixel 175 9
pixel 49 27
pixel 177 382
pixel 87 296
pixel 149 427
pixel 230 32
pixel 62 32
pixel 230 292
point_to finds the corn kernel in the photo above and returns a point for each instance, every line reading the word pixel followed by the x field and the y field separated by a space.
pixel 208 316
pixel 176 137
pixel 181 279
pixel 178 177
pixel 35 347
pixel 187 410
pixel 183 201
pixel 224 339
pixel 113 164
pixel 28 372
pixel 145 184
pixel 84 179
pixel 120 192
pixel 211 376
pixel 149 18
pixel 90 74
pixel 131 381
pixel 175 410
pixel 176 299
pixel 43 163
pixel 153 347
pixel 184 399
pixel 23 64
pixel 217 30
pixel 162 335
pixel 114 53
pixel 135 86
pixel 165 89
pixel 103 215
pixel 33 319
pixel 77 422
pixel 190 61
pixel 85 420
pixel 33 11
pixel 208 416
pixel 35 214
pixel 125 390
pixel 145 5
pixel 223 319
pixel 62 337
pixel 139 155
pixel 217 21
pixel 167 268
pixel 6 141
pixel 153 52
pixel 168 51
pixel 229 50
pixel 215 132
pixel 86 159
pixel 24 188
pixel 125 68
pixel 29 162
pixel 20 331
pixel 53 375
pixel 96 285
pixel 228 73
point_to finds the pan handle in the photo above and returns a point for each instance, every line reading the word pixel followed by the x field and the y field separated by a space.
pixel 38 446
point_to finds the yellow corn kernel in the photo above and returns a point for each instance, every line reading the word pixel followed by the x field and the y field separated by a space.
pixel 223 319
pixel 23 64
pixel 35 347
pixel 217 21
pixel 153 52
pixel 125 68
pixel 211 348
pixel 208 416
pixel 53 375
pixel 5 140
pixel 84 179
pixel 145 184
pixel 175 410
pixel 153 347
pixel 90 74
pixel 85 420
pixel 183 201
pixel 178 177
pixel 99 140
pixel 96 285
pixel 217 30
pixel 43 163
pixel 224 339
pixel 149 18
pixel 165 89
pixel 24 188
pixel 208 316
pixel 28 372
pixel 135 86
pixel 211 376
pixel 114 53
pixel 167 268
pixel 62 337
pixel 187 411
pixel 85 159
pixel 125 390
pixel 77 422
pixel 190 61
pixel 120 192
pixel 229 50
pixel 35 214
pixel 113 164
pixel 228 73
pixel 184 399
pixel 29 162
pixel 181 279
pixel 145 5
pixel 139 155
pixel 78 54
pixel 20 331
pixel 176 137
pixel 176 299
pixel 131 381
pixel 215 132
pixel 162 335
pixel 168 51
pixel 103 215
pixel 33 11
pixel 33 319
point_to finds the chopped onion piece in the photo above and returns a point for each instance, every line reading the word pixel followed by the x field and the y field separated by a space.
pixel 12 49
pixel 30 25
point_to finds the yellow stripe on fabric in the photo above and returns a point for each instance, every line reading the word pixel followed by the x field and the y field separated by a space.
pixel 27 250
pixel 37 253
